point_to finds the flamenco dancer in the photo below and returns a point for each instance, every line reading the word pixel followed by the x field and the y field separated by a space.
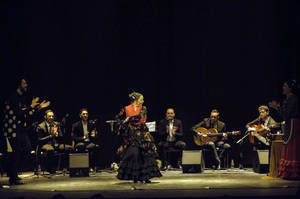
pixel 138 152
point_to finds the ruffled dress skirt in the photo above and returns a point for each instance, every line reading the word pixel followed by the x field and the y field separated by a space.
pixel 135 165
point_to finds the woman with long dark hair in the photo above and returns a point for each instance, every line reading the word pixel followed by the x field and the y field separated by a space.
pixel 138 152
pixel 289 110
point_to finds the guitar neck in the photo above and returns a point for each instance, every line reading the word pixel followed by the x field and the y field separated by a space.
pixel 219 134
pixel 214 134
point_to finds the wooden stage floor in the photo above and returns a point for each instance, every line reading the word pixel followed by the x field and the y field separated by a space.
pixel 229 183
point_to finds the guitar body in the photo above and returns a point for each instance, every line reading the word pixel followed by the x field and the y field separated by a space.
pixel 259 130
pixel 202 140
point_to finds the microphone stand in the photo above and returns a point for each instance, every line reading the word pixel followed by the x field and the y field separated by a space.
pixel 63 130
pixel 242 139
pixel 94 139
pixel 111 122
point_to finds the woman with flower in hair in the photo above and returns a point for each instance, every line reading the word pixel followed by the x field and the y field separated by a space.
pixel 138 152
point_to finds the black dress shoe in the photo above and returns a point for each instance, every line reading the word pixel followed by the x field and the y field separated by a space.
pixel 52 172
pixel 18 178
pixel 15 182
pixel 163 168
pixel 18 182
pixel 241 166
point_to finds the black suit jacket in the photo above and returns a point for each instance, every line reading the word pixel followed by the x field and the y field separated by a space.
pixel 44 134
pixel 163 132
pixel 78 133
pixel 220 126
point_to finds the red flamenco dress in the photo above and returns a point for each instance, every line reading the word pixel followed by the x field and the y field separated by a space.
pixel 290 159
pixel 138 152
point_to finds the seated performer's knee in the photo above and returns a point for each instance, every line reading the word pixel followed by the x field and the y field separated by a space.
pixel 65 147
pixel 48 148
pixel 91 146
pixel 227 146
pixel 80 147
pixel 180 144
pixel 220 143
pixel 211 144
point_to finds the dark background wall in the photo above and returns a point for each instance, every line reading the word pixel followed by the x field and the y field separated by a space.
pixel 190 55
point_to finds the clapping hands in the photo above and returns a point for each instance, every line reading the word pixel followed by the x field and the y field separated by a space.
pixel 43 104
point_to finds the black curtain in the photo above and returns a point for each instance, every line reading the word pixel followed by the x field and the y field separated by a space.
pixel 190 55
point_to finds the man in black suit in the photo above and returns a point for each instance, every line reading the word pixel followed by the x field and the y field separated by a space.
pixel 213 122
pixel 50 139
pixel 171 135
pixel 84 134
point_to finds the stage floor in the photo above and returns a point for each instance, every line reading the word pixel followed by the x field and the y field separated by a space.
pixel 230 183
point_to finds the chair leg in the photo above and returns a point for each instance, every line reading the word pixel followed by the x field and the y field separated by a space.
pixel 1 165
pixel 38 170
pixel 226 161
pixel 58 163
pixel 61 162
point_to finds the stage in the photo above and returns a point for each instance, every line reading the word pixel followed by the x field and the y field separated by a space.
pixel 229 183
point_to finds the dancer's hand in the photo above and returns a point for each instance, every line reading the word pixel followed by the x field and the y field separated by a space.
pixel 126 120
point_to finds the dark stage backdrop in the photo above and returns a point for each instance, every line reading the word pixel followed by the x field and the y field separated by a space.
pixel 190 55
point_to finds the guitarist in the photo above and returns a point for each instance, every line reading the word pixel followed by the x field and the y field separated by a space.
pixel 213 122
pixel 265 123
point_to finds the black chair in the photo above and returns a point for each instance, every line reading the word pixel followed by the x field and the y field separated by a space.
pixel 208 157
pixel 225 159
pixel 210 160
pixel 173 156
pixel 41 158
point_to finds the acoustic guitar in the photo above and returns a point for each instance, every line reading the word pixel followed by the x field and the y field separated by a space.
pixel 260 133
pixel 204 135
